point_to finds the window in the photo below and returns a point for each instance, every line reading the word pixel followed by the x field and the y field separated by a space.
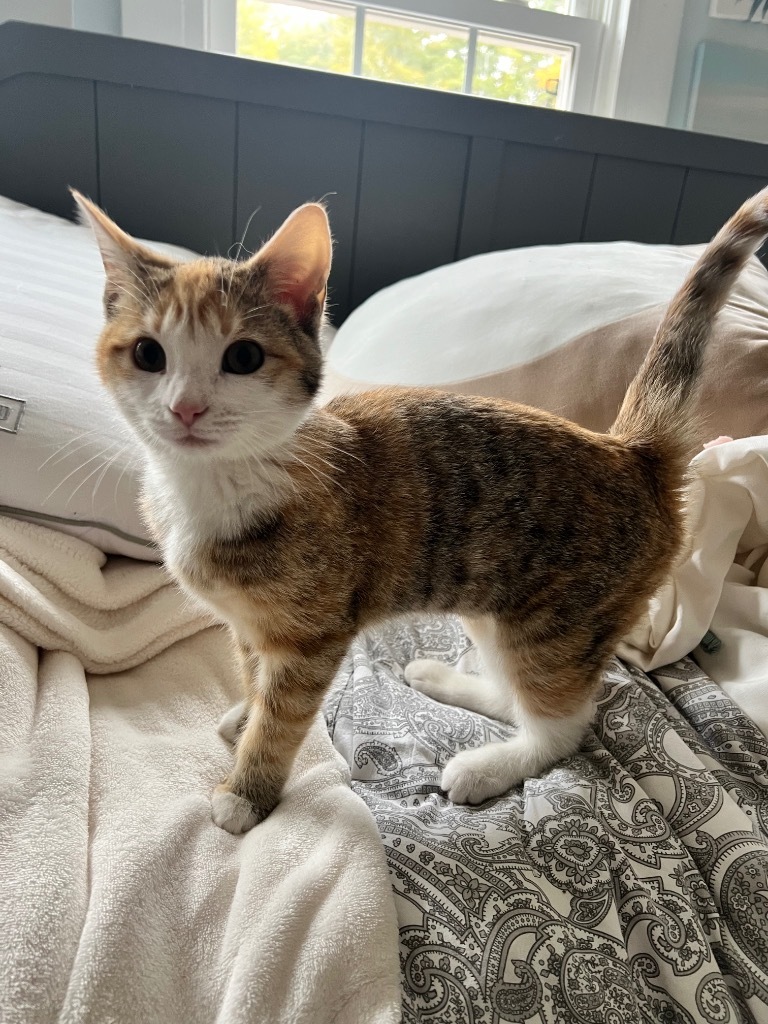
pixel 539 52
pixel 522 71
pixel 399 48
pixel 311 35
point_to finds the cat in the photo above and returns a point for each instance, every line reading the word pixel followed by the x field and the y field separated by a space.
pixel 300 525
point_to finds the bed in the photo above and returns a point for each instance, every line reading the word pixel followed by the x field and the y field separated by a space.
pixel 629 882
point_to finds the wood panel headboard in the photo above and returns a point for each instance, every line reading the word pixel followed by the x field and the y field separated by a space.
pixel 182 146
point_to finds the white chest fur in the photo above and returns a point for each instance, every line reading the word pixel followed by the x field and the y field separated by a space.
pixel 191 506
pixel 194 504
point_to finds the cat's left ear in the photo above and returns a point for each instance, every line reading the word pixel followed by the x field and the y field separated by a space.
pixel 123 257
pixel 297 262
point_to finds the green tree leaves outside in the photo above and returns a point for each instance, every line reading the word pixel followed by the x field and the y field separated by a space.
pixel 400 49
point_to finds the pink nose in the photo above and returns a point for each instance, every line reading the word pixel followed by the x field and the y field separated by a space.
pixel 188 412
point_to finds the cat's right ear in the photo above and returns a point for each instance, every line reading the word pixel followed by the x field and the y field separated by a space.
pixel 123 257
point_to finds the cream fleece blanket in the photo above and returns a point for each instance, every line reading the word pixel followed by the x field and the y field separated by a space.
pixel 721 583
pixel 120 900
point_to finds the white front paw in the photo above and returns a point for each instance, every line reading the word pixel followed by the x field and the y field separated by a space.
pixel 471 777
pixel 232 722
pixel 233 813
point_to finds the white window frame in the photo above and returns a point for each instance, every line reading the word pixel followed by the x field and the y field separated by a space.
pixel 582 34
pixel 212 25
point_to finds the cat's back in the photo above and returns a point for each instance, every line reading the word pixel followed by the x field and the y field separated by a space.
pixel 514 490
pixel 442 429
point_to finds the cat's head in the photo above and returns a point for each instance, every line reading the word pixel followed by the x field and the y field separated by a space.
pixel 213 358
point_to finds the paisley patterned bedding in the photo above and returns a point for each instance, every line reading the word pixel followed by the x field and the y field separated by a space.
pixel 629 884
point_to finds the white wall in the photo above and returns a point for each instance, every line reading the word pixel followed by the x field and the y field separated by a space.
pixel 44 12
pixel 176 22
pixel 649 52
pixel 698 27
pixel 89 15
pixel 97 16
pixel 649 74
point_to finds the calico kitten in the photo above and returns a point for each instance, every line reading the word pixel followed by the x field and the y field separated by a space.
pixel 298 526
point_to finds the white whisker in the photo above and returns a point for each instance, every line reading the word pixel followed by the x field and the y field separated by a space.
pixel 336 448
pixel 319 475
pixel 253 314
pixel 222 292
pixel 307 451
pixel 241 245
pixel 143 293
pixel 107 466
pixel 130 465
pixel 99 468
pixel 62 452
pixel 99 455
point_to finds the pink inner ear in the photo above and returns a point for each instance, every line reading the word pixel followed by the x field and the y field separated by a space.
pixel 299 293
pixel 295 296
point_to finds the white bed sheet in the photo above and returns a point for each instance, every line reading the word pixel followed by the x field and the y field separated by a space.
pixel 721 581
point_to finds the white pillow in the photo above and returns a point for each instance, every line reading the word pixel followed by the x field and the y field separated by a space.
pixel 66 458
pixel 561 328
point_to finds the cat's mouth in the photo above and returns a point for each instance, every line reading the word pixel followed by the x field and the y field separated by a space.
pixel 193 441
pixel 185 441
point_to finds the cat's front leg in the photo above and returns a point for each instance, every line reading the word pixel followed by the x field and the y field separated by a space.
pixel 233 722
pixel 286 697
pixel 264 752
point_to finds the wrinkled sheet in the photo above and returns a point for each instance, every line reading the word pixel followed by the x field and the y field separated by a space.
pixel 721 581
pixel 120 900
pixel 627 884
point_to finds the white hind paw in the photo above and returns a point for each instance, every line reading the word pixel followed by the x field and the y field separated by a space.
pixel 475 776
pixel 430 677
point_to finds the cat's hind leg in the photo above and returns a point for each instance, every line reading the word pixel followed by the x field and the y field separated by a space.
pixel 448 685
pixel 232 722
pixel 547 691
pixel 474 776
pixel 488 694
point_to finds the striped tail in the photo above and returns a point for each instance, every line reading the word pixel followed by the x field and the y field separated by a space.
pixel 657 413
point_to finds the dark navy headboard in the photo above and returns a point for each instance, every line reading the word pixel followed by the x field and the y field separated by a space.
pixel 182 146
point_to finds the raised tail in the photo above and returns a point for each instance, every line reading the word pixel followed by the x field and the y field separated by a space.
pixel 658 409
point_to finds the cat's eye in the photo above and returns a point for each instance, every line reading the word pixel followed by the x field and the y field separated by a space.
pixel 243 357
pixel 148 355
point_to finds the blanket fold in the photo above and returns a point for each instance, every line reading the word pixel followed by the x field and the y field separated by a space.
pixel 63 594
pixel 720 582
pixel 120 900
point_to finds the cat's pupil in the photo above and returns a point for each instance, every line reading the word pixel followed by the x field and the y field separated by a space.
pixel 149 355
pixel 243 357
